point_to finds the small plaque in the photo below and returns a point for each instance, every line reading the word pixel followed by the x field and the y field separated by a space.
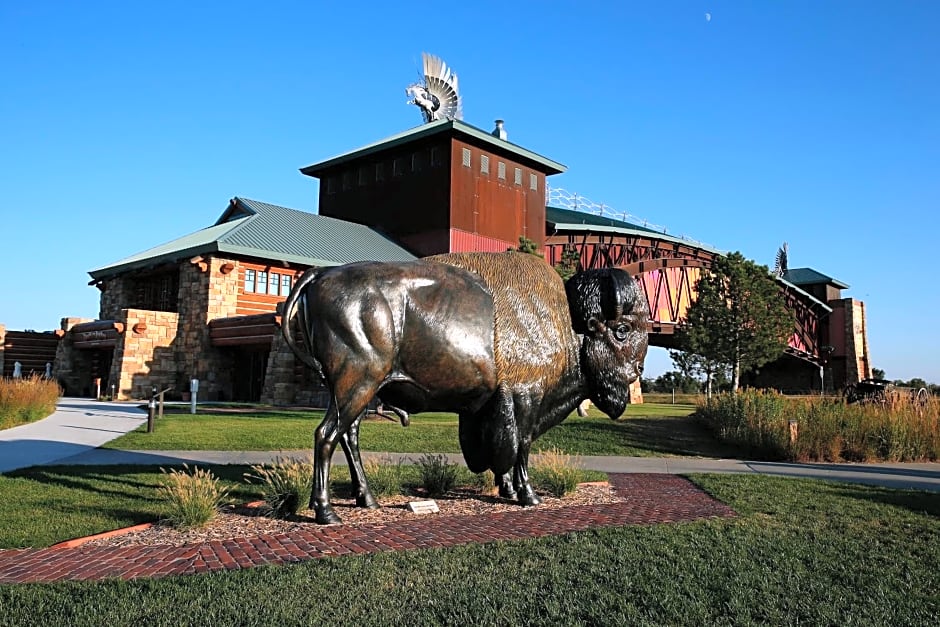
pixel 423 507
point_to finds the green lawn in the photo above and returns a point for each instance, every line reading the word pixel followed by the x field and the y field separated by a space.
pixel 801 552
pixel 648 429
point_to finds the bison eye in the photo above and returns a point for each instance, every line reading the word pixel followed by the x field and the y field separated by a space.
pixel 621 331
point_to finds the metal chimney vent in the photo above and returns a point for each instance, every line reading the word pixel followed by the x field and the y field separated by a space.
pixel 499 131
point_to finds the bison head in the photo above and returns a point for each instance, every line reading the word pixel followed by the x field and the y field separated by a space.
pixel 609 312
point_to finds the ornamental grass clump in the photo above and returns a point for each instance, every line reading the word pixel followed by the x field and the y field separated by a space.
pixel 193 496
pixel 438 476
pixel 27 400
pixel 755 420
pixel 384 475
pixel 556 472
pixel 285 485
pixel 767 425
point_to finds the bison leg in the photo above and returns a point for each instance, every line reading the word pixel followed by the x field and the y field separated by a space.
pixel 334 428
pixel 505 487
pixel 357 475
pixel 520 477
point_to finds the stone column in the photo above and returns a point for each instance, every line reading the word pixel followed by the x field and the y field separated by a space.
pixel 71 367
pixel 145 357
pixel 208 290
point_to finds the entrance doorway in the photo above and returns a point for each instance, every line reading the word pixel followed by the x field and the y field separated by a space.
pixel 248 376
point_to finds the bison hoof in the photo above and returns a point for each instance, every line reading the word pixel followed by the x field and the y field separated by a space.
pixel 527 496
pixel 507 492
pixel 326 516
pixel 367 501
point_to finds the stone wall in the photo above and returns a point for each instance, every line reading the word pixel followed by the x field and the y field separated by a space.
pixel 857 359
pixel 115 295
pixel 288 381
pixel 145 357
pixel 208 290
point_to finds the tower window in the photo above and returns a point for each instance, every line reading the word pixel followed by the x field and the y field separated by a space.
pixel 518 176
pixel 484 164
pixel 501 171
pixel 533 182
pixel 466 157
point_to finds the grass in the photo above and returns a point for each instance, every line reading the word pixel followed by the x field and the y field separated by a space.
pixel 26 400
pixel 801 552
pixel 826 429
pixel 192 496
pixel 648 429
pixel 43 505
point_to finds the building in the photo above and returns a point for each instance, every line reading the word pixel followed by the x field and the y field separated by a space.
pixel 204 306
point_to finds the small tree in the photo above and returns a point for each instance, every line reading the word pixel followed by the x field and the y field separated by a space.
pixel 877 373
pixel 527 246
pixel 570 260
pixel 698 367
pixel 739 317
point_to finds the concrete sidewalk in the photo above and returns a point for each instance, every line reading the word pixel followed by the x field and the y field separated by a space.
pixel 78 427
pixel 924 476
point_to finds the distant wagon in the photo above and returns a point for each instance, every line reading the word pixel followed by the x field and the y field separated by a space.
pixel 870 391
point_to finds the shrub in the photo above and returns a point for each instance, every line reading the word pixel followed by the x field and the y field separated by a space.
pixel 193 496
pixel 556 472
pixel 384 475
pixel 438 476
pixel 483 482
pixel 285 485
pixel 827 430
pixel 27 400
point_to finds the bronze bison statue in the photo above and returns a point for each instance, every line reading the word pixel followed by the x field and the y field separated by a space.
pixel 497 338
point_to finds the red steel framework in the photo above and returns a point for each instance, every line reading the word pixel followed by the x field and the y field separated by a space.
pixel 667 271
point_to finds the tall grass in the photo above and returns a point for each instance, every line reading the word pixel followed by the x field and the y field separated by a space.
pixel 192 496
pixel 285 485
pixel 26 400
pixel 824 429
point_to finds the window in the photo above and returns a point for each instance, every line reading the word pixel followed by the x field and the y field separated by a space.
pixel 484 164
pixel 398 167
pixel 262 282
pixel 533 182
pixel 249 280
pixel 331 185
pixel 417 160
pixel 285 284
pixel 363 175
pixel 466 157
pixel 275 280
pixel 518 176
pixel 435 156
pixel 379 172
pixel 347 181
pixel 501 171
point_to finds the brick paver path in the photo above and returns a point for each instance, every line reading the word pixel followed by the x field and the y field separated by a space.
pixel 652 498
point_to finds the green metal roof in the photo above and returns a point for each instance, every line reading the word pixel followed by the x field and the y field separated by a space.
pixel 456 127
pixel 808 276
pixel 571 220
pixel 257 229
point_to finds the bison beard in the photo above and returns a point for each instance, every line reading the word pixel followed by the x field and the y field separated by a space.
pixel 607 375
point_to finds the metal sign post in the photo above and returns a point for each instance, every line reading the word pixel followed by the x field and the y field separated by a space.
pixel 193 391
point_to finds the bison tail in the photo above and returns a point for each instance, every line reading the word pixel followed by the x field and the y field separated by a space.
pixel 290 305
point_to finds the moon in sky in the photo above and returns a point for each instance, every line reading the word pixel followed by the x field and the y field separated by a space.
pixel 708 17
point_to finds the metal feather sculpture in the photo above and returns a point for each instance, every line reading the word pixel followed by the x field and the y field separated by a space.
pixel 780 265
pixel 437 96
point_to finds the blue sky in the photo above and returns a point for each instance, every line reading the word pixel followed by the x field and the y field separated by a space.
pixel 124 125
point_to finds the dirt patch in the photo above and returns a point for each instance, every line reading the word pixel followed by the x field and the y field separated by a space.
pixel 247 521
